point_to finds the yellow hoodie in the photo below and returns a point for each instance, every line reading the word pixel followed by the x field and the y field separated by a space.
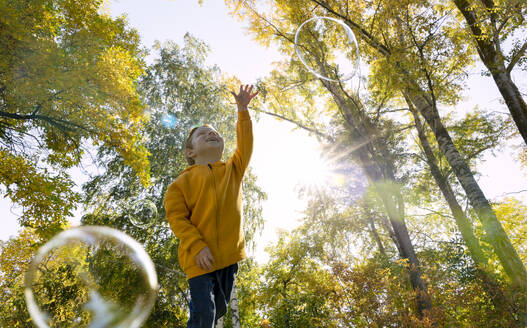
pixel 203 206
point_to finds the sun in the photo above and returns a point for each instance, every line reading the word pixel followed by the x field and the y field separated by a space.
pixel 320 172
pixel 313 169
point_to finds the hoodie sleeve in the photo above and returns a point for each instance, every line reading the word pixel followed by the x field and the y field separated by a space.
pixel 178 217
pixel 244 140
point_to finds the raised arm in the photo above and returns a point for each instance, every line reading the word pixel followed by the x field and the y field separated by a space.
pixel 244 132
pixel 178 217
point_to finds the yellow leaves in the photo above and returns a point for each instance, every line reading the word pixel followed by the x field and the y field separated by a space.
pixel 78 70
pixel 513 216
pixel 522 155
pixel 118 71
pixel 127 142
pixel 46 200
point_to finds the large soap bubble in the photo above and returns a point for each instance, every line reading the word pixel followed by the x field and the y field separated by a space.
pixel 143 213
pixel 91 276
pixel 328 48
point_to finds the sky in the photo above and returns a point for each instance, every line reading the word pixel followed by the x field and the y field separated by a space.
pixel 282 158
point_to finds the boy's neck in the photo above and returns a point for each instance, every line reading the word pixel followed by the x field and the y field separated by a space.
pixel 205 160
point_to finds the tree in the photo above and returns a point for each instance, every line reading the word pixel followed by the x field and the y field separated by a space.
pixel 67 80
pixel 514 215
pixel 472 147
pixel 491 25
pixel 296 290
pixel 15 255
pixel 410 60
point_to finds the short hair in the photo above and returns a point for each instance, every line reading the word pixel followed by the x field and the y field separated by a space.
pixel 188 142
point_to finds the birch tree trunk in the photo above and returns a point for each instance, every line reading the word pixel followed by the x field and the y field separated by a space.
pixel 499 240
pixel 219 323
pixel 235 312
pixel 513 99
pixel 489 50
pixel 464 225
pixel 394 205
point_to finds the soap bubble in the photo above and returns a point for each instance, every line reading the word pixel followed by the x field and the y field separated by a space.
pixel 143 213
pixel 91 276
pixel 169 120
pixel 328 48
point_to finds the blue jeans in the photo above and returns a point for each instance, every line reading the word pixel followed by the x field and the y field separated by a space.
pixel 209 295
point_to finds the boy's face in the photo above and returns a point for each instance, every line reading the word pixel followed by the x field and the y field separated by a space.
pixel 206 142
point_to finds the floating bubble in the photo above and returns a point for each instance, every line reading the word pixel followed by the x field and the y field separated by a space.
pixel 91 276
pixel 169 120
pixel 328 48
pixel 143 213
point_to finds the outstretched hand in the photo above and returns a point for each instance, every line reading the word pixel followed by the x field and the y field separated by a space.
pixel 244 97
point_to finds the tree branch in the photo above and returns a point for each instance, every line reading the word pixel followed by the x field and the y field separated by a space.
pixel 300 125
pixel 516 57
pixel 366 35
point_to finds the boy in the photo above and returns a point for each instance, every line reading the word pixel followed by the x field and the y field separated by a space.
pixel 203 210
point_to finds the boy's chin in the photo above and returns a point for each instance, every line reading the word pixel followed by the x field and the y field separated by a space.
pixel 213 153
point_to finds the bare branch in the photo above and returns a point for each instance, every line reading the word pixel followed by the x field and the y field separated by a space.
pixel 366 35
pixel 300 125
pixel 516 57
pixel 512 193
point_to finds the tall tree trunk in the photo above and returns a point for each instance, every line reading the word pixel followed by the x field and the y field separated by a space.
pixel 376 237
pixel 386 224
pixel 372 158
pixel 490 54
pixel 235 311
pixel 393 203
pixel 499 240
pixel 464 225
pixel 512 96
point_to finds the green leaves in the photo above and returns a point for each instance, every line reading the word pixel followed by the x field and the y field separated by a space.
pixel 67 79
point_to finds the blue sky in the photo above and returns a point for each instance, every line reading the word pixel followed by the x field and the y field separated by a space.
pixel 237 54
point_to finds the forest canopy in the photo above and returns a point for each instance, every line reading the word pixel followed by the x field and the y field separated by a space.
pixel 401 234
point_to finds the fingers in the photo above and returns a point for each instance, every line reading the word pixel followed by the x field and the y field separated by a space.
pixel 210 262
pixel 203 264
pixel 205 260
pixel 210 259
pixel 245 92
pixel 206 263
pixel 246 88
